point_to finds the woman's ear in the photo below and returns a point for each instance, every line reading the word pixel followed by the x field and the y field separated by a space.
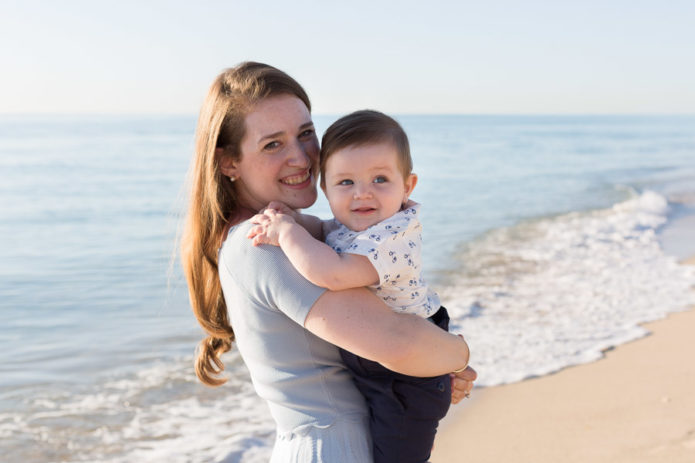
pixel 410 183
pixel 228 165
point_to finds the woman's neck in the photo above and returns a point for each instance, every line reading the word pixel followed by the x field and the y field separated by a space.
pixel 242 213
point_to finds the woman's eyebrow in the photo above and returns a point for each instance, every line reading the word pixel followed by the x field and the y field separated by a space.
pixel 270 135
pixel 306 125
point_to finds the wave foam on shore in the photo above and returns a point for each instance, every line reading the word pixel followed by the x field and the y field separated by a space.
pixel 554 292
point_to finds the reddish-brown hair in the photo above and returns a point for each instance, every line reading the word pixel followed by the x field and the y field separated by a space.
pixel 213 201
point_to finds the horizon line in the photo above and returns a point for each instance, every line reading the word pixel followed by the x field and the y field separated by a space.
pixel 477 114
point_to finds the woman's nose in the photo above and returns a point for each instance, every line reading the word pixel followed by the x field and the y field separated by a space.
pixel 299 156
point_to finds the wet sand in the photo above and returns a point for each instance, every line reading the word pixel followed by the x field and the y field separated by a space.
pixel 634 405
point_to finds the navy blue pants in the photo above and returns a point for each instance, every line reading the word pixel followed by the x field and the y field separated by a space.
pixel 404 411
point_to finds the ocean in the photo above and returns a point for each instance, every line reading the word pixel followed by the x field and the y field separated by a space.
pixel 550 239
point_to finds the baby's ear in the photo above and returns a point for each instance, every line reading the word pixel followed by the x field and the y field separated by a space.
pixel 410 183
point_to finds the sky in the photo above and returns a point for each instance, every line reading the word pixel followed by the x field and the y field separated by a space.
pixel 401 57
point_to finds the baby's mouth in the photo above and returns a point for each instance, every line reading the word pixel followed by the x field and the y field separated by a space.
pixel 363 210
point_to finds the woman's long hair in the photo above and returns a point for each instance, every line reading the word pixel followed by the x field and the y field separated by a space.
pixel 212 200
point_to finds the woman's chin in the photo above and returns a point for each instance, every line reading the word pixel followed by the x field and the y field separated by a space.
pixel 301 199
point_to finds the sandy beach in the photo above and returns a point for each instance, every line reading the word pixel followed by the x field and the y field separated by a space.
pixel 634 405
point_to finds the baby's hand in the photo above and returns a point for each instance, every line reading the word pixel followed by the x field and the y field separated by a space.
pixel 282 208
pixel 270 224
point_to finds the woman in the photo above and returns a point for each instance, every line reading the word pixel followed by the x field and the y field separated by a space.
pixel 255 143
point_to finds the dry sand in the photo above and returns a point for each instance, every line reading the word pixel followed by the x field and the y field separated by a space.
pixel 637 404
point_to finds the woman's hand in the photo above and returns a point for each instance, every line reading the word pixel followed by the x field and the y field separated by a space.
pixel 270 225
pixel 462 384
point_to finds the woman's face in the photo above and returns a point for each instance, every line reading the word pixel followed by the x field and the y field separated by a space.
pixel 279 155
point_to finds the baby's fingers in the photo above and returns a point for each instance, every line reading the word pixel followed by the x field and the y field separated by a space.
pixel 260 238
pixel 254 231
pixel 278 206
pixel 258 218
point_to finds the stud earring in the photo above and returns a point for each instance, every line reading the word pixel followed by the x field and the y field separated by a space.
pixel 232 178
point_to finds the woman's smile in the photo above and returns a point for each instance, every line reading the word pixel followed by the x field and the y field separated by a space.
pixel 300 180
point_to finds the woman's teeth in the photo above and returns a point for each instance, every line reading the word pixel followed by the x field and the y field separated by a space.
pixel 296 179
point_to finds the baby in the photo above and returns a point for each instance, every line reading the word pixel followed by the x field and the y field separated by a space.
pixel 375 241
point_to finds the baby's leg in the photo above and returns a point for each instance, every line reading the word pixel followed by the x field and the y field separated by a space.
pixel 404 410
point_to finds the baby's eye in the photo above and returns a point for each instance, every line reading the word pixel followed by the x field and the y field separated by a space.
pixel 347 181
pixel 380 179
pixel 271 146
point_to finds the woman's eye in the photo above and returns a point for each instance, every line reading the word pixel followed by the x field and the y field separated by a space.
pixel 380 179
pixel 272 145
pixel 345 182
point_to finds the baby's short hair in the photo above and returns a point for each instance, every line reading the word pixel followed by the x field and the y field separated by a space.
pixel 363 128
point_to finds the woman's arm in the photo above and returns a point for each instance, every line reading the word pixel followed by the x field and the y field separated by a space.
pixel 357 321
pixel 315 260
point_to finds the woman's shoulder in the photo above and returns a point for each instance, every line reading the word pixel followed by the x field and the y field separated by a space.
pixel 264 275
pixel 234 242
pixel 238 249
pixel 236 233
pixel 264 265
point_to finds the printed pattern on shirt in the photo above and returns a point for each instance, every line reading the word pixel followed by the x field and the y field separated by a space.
pixel 393 246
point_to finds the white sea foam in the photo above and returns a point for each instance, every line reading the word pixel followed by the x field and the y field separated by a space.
pixel 555 292
pixel 159 414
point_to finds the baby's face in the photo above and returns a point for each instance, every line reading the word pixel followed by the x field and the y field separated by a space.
pixel 365 185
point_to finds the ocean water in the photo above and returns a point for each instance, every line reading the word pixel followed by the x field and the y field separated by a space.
pixel 550 240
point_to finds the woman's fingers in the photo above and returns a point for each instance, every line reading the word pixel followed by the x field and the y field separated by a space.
pixel 461 390
pixel 462 384
pixel 469 374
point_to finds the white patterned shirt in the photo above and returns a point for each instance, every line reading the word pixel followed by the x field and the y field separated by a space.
pixel 393 246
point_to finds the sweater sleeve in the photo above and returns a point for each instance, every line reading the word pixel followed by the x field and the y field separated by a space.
pixel 267 276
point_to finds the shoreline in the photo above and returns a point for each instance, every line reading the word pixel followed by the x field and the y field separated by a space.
pixel 633 405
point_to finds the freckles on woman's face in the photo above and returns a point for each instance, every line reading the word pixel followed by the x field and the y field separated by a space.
pixel 279 155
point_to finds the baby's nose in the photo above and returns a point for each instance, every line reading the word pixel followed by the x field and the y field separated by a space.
pixel 363 191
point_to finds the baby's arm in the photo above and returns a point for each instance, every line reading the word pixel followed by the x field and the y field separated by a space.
pixel 315 260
